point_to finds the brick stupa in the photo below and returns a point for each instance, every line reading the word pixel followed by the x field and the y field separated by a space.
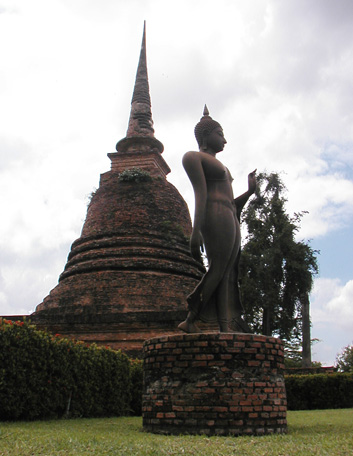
pixel 128 275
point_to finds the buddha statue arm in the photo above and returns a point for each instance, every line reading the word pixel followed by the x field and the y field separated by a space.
pixel 193 166
pixel 241 200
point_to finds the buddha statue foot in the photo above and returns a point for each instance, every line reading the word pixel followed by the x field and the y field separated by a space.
pixel 189 327
pixel 239 325
pixel 224 328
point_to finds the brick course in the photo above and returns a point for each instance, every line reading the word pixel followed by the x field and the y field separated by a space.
pixel 208 384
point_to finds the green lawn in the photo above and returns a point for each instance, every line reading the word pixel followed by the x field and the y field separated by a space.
pixel 322 432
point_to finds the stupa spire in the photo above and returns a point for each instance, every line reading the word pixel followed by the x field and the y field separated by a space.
pixel 141 100
pixel 140 121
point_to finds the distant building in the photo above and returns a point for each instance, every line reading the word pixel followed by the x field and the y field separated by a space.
pixel 128 275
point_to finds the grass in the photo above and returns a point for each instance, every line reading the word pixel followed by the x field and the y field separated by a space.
pixel 319 432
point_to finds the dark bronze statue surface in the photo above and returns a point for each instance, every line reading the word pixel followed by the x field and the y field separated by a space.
pixel 216 227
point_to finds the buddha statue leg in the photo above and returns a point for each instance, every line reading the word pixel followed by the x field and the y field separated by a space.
pixel 220 238
pixel 225 294
pixel 199 298
pixel 222 303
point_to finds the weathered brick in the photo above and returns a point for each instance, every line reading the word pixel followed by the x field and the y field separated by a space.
pixel 226 356
pixel 253 363
pixel 122 271
pixel 198 363
pixel 245 395
pixel 202 343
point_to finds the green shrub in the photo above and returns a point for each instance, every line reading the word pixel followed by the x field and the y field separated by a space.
pixel 136 386
pixel 101 379
pixel 29 384
pixel 311 392
pixel 135 175
pixel 46 376
pixel 344 360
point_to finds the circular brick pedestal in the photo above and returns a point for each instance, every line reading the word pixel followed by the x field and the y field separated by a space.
pixel 223 384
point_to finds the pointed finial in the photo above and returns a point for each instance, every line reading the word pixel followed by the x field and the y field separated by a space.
pixel 205 111
pixel 140 123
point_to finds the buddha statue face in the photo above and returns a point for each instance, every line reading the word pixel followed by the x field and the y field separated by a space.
pixel 215 141
pixel 209 133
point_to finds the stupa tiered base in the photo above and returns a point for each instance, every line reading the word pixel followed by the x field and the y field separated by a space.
pixel 214 384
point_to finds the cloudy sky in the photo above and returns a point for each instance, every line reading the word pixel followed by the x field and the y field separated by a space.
pixel 276 74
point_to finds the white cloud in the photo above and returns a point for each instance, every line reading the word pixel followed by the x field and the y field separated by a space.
pixel 333 302
pixel 341 307
pixel 332 317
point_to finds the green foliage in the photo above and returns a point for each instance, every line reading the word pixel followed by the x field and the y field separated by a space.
pixel 293 354
pixel 276 271
pixel 344 360
pixel 136 387
pixel 320 391
pixel 45 376
pixel 291 363
pixel 134 175
pixel 91 196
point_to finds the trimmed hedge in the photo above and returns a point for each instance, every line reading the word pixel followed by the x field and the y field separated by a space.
pixel 312 392
pixel 136 387
pixel 46 376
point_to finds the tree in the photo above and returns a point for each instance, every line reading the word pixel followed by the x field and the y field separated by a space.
pixel 293 354
pixel 276 271
pixel 344 360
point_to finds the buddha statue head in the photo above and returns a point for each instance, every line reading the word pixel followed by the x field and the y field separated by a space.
pixel 204 128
